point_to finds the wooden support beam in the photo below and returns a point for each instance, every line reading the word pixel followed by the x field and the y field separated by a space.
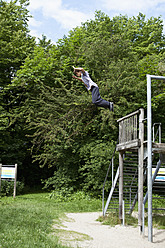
pixel 120 184
pixel 140 168
pixel 128 145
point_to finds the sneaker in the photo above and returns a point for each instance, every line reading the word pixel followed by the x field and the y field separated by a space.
pixel 111 107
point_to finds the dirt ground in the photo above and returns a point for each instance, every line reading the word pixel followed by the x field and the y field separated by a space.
pixel 82 230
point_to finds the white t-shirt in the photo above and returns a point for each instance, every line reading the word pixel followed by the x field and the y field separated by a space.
pixel 87 80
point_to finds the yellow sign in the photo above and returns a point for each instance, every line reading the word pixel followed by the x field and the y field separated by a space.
pixel 8 172
pixel 160 175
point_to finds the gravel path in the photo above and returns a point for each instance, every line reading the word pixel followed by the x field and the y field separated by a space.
pixel 84 227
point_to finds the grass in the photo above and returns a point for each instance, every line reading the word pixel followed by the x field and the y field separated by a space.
pixel 158 220
pixel 112 219
pixel 27 221
pixel 71 236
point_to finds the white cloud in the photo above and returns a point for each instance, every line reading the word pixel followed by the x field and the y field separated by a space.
pixel 68 18
pixel 130 6
pixel 35 33
pixel 48 7
pixel 34 22
pixel 34 30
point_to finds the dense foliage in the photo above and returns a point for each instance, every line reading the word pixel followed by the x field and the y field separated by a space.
pixel 7 188
pixel 51 115
pixel 15 45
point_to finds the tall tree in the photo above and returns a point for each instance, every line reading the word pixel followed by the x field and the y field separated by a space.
pixel 65 129
pixel 15 45
pixel 15 41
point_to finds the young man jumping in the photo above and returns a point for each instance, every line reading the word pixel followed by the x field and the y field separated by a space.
pixel 84 77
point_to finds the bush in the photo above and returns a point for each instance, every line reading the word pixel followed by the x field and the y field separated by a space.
pixel 67 195
pixel 7 187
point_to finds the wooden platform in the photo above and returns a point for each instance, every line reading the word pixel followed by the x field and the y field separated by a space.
pixel 135 144
pixel 158 147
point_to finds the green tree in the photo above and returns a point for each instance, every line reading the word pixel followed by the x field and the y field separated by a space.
pixel 15 45
pixel 15 41
pixel 66 130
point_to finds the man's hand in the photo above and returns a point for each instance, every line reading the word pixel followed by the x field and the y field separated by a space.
pixel 77 78
pixel 74 69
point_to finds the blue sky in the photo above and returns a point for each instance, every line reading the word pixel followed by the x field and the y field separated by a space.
pixel 54 18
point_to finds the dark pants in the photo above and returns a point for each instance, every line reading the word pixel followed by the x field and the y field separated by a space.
pixel 96 98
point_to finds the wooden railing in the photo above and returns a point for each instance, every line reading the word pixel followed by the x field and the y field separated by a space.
pixel 128 128
pixel 129 131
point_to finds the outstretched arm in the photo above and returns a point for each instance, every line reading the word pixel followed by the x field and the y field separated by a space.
pixel 78 69
pixel 80 79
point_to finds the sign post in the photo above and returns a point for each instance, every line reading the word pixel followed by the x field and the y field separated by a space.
pixel 0 177
pixel 9 172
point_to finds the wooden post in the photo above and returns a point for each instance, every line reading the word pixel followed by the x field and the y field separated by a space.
pixel 120 184
pixel 0 177
pixel 15 181
pixel 140 169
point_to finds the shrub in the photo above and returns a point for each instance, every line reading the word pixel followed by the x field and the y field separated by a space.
pixel 7 187
pixel 67 195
